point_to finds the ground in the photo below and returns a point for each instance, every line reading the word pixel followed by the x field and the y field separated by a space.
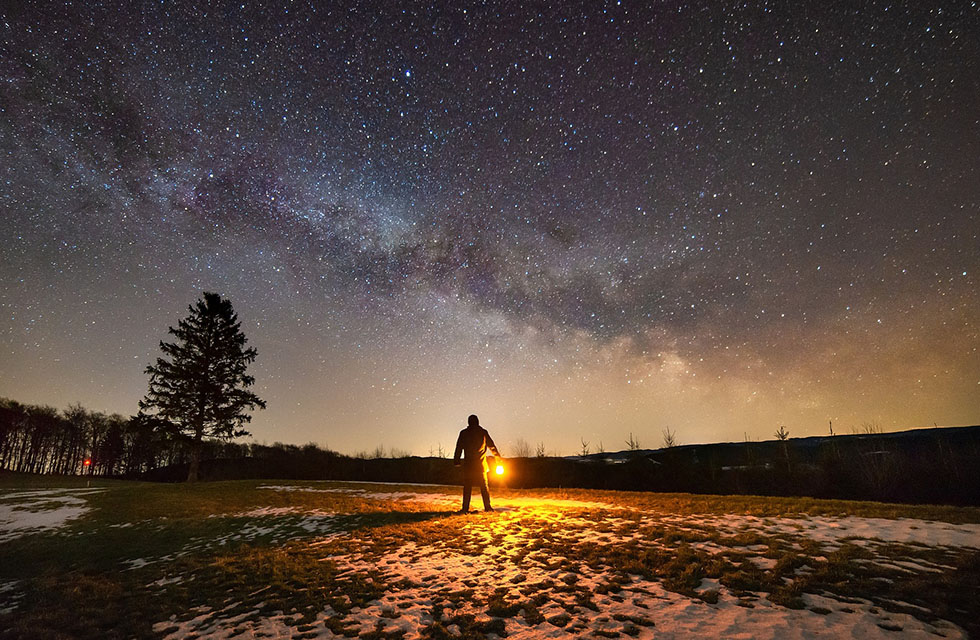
pixel 280 559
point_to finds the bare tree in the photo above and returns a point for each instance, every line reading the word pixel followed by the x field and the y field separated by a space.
pixel 633 443
pixel 871 428
pixel 585 447
pixel 521 448
pixel 539 450
pixel 600 448
pixel 782 434
pixel 670 438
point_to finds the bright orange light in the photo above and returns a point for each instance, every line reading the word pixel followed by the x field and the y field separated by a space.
pixel 500 469
pixel 87 462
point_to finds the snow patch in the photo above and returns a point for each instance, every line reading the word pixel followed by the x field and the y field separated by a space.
pixel 34 511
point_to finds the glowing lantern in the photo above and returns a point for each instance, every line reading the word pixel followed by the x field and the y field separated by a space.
pixel 500 469
pixel 87 462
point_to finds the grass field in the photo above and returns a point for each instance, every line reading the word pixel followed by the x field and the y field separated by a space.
pixel 282 559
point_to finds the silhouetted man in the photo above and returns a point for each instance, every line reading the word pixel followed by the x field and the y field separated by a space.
pixel 473 443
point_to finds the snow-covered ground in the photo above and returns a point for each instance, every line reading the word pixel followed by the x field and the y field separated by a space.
pixel 36 510
pixel 832 531
pixel 641 609
pixel 440 499
pixel 546 591
pixel 574 603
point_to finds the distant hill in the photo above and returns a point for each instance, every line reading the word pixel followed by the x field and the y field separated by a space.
pixel 799 444
pixel 929 465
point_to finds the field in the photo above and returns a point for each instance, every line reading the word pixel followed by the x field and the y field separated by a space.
pixel 279 559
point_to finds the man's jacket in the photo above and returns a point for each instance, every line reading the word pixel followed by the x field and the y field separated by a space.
pixel 474 442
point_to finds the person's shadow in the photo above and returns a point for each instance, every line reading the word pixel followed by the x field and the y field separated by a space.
pixel 384 518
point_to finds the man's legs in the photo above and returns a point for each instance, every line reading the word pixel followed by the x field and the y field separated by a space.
pixel 485 492
pixel 467 492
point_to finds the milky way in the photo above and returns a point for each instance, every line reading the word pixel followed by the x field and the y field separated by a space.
pixel 578 221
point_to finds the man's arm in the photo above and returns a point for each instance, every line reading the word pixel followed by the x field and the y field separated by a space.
pixel 491 446
pixel 459 449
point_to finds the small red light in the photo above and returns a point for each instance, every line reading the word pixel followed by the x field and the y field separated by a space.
pixel 87 462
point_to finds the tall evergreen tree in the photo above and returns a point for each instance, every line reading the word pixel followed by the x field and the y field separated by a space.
pixel 200 387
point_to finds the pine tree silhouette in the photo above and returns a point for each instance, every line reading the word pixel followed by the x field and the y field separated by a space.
pixel 200 387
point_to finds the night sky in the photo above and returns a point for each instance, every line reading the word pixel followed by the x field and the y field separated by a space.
pixel 575 220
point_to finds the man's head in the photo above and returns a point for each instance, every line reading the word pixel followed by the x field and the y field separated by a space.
pixel 473 421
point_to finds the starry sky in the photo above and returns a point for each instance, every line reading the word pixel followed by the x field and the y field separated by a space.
pixel 578 220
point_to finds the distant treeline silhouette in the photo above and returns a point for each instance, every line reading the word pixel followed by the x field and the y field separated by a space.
pixel 42 439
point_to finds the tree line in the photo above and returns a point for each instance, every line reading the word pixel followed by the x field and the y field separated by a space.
pixel 76 441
